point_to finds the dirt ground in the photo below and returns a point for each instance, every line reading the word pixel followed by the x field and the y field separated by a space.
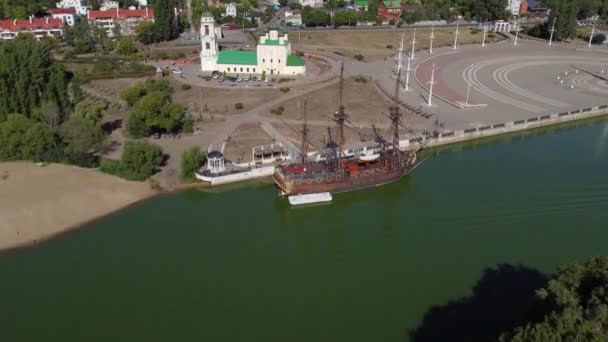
pixel 378 44
pixel 42 201
pixel 363 103
pixel 197 99
pixel 243 139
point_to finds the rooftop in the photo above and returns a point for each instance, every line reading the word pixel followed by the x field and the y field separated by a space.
pixel 62 11
pixel 26 24
pixel 392 3
pixel 294 60
pixel 362 3
pixel 122 13
pixel 237 57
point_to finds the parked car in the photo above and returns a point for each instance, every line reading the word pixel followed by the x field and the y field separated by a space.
pixel 176 71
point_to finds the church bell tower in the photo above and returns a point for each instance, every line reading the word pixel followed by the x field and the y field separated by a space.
pixel 208 43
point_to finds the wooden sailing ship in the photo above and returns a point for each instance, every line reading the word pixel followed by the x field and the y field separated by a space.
pixel 339 173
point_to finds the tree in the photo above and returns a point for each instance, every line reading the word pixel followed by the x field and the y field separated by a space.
pixel 348 17
pixel 564 13
pixel 154 112
pixel 29 76
pixel 90 109
pixel 192 159
pixel 125 46
pixel 598 38
pixel 164 21
pixel 140 89
pixel 575 304
pixel 22 138
pixel 85 37
pixel 145 32
pixel 138 162
pixel 484 9
pixel 82 138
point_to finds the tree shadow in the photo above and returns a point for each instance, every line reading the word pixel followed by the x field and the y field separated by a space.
pixel 110 126
pixel 502 299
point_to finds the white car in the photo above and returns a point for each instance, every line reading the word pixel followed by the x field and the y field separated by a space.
pixel 176 71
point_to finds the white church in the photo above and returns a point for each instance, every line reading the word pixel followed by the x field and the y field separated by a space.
pixel 272 55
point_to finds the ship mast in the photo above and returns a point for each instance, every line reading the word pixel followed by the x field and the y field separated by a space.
pixel 304 131
pixel 340 116
pixel 395 115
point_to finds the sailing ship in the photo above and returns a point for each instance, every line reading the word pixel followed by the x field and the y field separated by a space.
pixel 340 173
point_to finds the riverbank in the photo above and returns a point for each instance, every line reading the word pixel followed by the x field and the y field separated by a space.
pixel 39 202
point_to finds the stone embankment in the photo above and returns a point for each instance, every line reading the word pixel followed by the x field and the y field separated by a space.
pixel 452 137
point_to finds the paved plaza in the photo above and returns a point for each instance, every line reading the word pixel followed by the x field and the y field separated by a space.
pixel 506 82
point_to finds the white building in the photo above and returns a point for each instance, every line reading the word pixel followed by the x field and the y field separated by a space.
pixel 39 27
pixel 79 5
pixel 311 3
pixel 67 15
pixel 231 10
pixel 126 19
pixel 513 6
pixel 502 26
pixel 272 55
pixel 292 18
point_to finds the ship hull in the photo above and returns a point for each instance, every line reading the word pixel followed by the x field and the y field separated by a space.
pixel 341 180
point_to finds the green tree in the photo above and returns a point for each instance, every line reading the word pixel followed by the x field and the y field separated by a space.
pixel 564 13
pixel 82 138
pixel 29 76
pixel 90 109
pixel 125 46
pixel 157 113
pixel 192 159
pixel 575 304
pixel 140 89
pixel 164 21
pixel 348 17
pixel 22 138
pixel 138 162
pixel 146 32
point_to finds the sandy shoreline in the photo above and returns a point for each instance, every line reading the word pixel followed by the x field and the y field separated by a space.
pixel 39 202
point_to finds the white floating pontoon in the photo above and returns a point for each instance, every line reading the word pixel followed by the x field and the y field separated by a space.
pixel 310 198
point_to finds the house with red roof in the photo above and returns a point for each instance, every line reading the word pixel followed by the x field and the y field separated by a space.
pixel 125 19
pixel 68 15
pixel 39 27
pixel 389 10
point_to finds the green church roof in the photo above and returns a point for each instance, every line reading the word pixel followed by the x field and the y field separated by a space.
pixel 362 3
pixel 392 3
pixel 294 60
pixel 238 57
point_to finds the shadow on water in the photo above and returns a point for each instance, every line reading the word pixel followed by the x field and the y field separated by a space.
pixel 502 299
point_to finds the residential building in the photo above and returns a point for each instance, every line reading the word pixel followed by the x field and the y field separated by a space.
pixel 537 9
pixel 292 18
pixel 80 6
pixel 67 15
pixel 126 19
pixel 231 10
pixel 389 10
pixel 312 3
pixel 39 27
pixel 361 5
pixel 514 6
pixel 272 55
pixel 109 4
pixel 523 9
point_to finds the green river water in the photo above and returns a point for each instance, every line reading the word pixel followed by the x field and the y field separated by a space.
pixel 441 255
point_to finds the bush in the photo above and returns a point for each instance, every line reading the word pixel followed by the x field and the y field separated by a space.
pixel 284 89
pixel 192 159
pixel 139 161
pixel 185 86
pixel 238 105
pixel 361 79
pixel 278 111
pixel 598 39
pixel 359 57
pixel 188 125
pixel 283 80
pixel 474 31
pixel 491 35
pixel 389 46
